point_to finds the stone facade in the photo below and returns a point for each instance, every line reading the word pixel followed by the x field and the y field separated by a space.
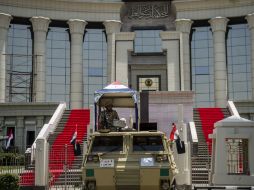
pixel 24 117
pixel 120 19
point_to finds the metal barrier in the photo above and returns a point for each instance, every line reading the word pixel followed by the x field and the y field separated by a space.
pixel 12 162
pixel 224 187
pixel 64 168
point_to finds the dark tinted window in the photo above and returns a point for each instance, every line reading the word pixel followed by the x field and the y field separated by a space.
pixel 202 66
pixel 147 143
pixel 239 62
pixel 107 144
pixel 19 60
pixel 58 65
pixel 147 41
pixel 94 64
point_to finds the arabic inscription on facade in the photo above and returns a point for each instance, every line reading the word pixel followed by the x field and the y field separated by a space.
pixel 148 11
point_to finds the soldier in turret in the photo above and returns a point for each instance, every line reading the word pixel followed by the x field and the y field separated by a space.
pixel 107 117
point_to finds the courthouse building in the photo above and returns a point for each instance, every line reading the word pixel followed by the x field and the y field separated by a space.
pixel 63 50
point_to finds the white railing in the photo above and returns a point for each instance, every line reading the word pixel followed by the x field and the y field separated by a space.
pixel 194 139
pixel 194 136
pixel 49 127
pixel 233 109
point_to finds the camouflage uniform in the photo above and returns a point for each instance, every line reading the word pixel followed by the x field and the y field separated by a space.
pixel 106 118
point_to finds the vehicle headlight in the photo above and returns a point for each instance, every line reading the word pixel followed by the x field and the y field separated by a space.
pixel 93 158
pixel 160 158
pixel 165 184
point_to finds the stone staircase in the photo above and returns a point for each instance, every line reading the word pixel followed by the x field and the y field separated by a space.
pixel 202 161
pixel 72 174
pixel 59 128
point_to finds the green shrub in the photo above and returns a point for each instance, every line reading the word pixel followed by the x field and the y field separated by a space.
pixel 10 159
pixel 9 182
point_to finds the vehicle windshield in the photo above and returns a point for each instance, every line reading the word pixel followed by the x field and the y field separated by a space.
pixel 107 144
pixel 147 143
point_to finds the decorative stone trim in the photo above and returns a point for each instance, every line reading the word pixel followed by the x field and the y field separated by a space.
pixel 250 19
pixel 149 11
pixel 40 23
pixel 218 23
pixel 112 26
pixel 77 26
pixel 183 25
pixel 5 20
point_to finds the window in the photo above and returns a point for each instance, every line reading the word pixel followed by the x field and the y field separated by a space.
pixel 147 143
pixel 94 64
pixel 202 67
pixel 239 62
pixel 19 64
pixel 10 142
pixel 147 41
pixel 58 65
pixel 30 137
pixel 237 156
pixel 107 144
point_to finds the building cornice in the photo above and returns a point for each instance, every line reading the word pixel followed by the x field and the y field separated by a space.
pixel 192 5
pixel 206 9
pixel 88 10
pixel 64 5
pixel 89 1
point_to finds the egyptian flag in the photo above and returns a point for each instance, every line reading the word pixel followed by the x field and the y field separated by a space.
pixel 180 147
pixel 10 137
pixel 74 137
pixel 174 134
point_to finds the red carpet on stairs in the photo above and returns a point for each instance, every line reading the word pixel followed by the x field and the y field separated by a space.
pixel 61 150
pixel 209 116
pixel 27 178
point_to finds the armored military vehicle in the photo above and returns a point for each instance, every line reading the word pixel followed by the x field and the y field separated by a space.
pixel 126 158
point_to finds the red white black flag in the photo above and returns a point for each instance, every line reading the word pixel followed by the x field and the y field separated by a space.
pixel 10 137
pixel 174 134
pixel 74 137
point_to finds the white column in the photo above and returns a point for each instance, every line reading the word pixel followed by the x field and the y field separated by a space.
pixel 250 19
pixel 171 43
pixel 183 161
pixel 184 26
pixel 77 28
pixel 20 132
pixel 219 25
pixel 112 27
pixel 4 26
pixel 41 164
pixel 124 44
pixel 40 28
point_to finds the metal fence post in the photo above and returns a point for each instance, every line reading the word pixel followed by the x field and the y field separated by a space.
pixel 65 166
